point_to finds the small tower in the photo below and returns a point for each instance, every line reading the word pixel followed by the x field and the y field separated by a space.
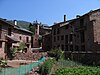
pixel 36 35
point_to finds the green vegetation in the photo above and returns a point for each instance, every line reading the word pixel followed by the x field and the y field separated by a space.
pixel 22 24
pixel 3 63
pixel 57 53
pixel 78 71
pixel 45 69
pixel 22 46
pixel 13 51
pixel 68 63
pixel 32 28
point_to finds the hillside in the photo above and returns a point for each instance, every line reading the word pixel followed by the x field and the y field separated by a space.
pixel 23 24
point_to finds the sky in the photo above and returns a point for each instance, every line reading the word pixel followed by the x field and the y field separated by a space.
pixel 45 11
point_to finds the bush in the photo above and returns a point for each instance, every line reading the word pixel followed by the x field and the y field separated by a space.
pixel 3 63
pixel 22 46
pixel 13 52
pixel 57 53
pixel 78 71
pixel 46 67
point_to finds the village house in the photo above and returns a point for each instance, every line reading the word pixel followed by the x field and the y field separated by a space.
pixel 79 34
pixel 11 36
pixel 47 42
pixel 5 43
pixel 23 35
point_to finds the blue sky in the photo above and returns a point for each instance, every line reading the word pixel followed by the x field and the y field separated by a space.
pixel 45 11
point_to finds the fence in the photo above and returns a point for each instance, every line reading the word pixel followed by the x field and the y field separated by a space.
pixel 21 70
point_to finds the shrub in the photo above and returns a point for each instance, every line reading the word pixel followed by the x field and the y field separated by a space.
pixel 78 71
pixel 3 63
pixel 57 53
pixel 13 51
pixel 22 46
pixel 46 67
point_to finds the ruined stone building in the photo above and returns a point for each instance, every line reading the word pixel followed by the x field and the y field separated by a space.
pixel 79 34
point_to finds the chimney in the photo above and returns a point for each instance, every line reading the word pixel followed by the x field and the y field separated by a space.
pixel 77 16
pixel 15 22
pixel 38 29
pixel 64 18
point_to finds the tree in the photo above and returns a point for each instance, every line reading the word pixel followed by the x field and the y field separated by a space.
pixel 32 29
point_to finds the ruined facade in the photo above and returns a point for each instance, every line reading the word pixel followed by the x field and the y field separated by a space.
pixel 79 34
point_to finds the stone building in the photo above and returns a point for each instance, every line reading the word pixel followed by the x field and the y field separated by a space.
pixel 47 42
pixel 79 34
pixel 23 36
pixel 39 31
pixel 6 39
pixel 10 36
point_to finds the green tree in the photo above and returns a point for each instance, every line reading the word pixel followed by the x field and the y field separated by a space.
pixel 32 28
pixel 22 46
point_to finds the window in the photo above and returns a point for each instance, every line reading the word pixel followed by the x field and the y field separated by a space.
pixel 66 47
pixel 54 39
pixel 54 32
pixel 27 39
pixel 82 37
pixel 83 47
pixel 54 47
pixel 71 37
pixel 9 31
pixel 81 22
pixel 58 31
pixel 67 26
pixel 76 48
pixel 62 37
pixel 66 39
pixel 20 37
pixel 58 46
pixel 57 37
pixel 62 47
pixel 0 30
pixel 71 47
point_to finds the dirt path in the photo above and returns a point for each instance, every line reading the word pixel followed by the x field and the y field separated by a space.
pixel 17 63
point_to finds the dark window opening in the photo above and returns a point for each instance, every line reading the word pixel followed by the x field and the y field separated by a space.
pixel 76 48
pixel 58 31
pixel 71 47
pixel 54 47
pixel 9 31
pixel 54 39
pixel 20 37
pixel 54 32
pixel 66 39
pixel 58 46
pixel 82 37
pixel 57 37
pixel 62 37
pixel 66 47
pixel 67 26
pixel 27 39
pixel 81 22
pixel 62 47
pixel 83 47
pixel 71 37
